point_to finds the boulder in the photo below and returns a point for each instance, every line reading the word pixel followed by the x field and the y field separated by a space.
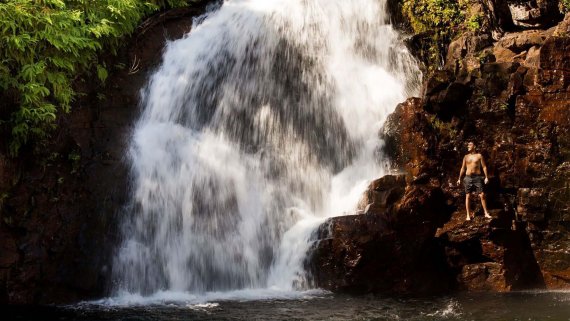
pixel 401 204
pixel 520 41
pixel 382 193
pixel 408 137
pixel 532 59
pixel 489 255
pixel 483 277
pixel 464 53
pixel 521 46
pixel 449 101
pixel 563 28
pixel 389 249
pixel 554 54
pixel 535 13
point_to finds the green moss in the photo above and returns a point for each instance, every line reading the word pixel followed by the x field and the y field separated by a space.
pixel 474 22
pixel 443 129
pixel 75 158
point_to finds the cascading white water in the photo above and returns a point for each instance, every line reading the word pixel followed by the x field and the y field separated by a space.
pixel 259 123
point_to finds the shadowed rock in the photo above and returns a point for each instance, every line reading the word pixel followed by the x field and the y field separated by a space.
pixel 390 248
pixel 518 113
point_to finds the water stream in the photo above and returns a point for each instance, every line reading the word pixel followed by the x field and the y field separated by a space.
pixel 259 123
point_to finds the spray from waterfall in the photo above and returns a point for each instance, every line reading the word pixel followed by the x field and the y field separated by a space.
pixel 259 123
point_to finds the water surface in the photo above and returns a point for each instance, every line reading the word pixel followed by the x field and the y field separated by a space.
pixel 525 306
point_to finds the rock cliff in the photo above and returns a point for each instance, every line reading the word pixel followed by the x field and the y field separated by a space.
pixel 506 88
pixel 511 97
pixel 60 204
pixel 387 248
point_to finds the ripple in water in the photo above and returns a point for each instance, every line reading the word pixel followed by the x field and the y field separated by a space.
pixel 527 306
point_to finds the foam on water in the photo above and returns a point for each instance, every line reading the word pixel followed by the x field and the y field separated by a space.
pixel 451 310
pixel 200 301
pixel 259 124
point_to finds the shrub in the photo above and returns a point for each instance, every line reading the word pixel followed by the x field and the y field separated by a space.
pixel 564 6
pixel 48 44
pixel 442 19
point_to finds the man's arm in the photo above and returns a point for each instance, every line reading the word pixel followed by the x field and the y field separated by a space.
pixel 484 167
pixel 462 171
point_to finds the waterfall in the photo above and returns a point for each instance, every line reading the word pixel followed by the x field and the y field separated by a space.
pixel 259 123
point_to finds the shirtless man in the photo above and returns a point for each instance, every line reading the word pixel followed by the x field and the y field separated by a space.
pixel 472 165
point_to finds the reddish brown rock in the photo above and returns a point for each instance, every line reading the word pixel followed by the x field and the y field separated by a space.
pixel 554 54
pixel 464 53
pixel 563 28
pixel 390 249
pixel 532 58
pixel 518 113
pixel 515 105
pixel 522 47
pixel 531 204
pixel 382 193
pixel 489 255
pixel 483 277
pixel 500 16
pixel 520 41
pixel 395 247
pixel 405 137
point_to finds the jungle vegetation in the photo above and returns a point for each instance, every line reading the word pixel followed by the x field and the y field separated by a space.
pixel 47 45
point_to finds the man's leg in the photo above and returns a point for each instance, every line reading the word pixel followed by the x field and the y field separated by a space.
pixel 467 206
pixel 484 203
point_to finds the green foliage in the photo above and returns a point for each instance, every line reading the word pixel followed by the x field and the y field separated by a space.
pixel 442 128
pixel 48 44
pixel 474 22
pixel 75 158
pixel 564 6
pixel 426 15
pixel 442 19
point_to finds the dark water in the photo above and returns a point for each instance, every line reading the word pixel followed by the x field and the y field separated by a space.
pixel 513 306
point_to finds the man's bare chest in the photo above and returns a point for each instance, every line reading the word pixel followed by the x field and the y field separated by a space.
pixel 471 159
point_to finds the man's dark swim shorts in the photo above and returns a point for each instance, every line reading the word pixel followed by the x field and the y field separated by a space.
pixel 473 183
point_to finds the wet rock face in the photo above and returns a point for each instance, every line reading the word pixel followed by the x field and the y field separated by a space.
pixel 390 248
pixel 382 194
pixel 500 14
pixel 395 246
pixel 489 255
pixel 516 108
pixel 408 147
pixel 60 206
